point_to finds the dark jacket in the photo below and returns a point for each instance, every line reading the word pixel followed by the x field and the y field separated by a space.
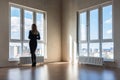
pixel 34 36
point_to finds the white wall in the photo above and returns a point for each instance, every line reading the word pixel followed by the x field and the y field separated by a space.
pixel 116 25
pixel 53 9
pixel 69 8
pixel 69 27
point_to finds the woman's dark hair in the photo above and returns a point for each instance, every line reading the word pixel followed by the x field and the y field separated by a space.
pixel 34 29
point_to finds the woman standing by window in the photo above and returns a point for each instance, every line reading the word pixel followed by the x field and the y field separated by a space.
pixel 34 35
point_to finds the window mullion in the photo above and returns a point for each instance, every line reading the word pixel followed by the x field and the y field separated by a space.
pixel 100 30
pixel 45 28
pixel 34 17
pixel 10 23
pixel 22 29
pixel 88 31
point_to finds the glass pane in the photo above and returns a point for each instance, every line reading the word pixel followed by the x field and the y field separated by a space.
pixel 94 24
pixel 15 23
pixel 94 50
pixel 40 51
pixel 14 50
pixel 107 22
pixel 28 21
pixel 40 24
pixel 107 50
pixel 26 50
pixel 83 27
pixel 83 49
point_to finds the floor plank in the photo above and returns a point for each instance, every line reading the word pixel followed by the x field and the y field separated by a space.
pixel 60 71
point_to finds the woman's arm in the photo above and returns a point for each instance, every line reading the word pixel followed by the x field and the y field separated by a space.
pixel 38 36
pixel 30 36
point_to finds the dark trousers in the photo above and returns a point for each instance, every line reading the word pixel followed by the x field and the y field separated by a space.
pixel 33 46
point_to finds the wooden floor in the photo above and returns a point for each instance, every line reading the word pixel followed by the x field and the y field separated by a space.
pixel 60 71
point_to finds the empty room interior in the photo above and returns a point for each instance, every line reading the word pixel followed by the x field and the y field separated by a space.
pixel 79 39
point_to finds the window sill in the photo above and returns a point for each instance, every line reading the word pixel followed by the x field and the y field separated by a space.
pixel 108 60
pixel 13 59
pixel 17 59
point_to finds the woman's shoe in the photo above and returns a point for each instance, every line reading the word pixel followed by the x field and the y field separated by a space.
pixel 33 64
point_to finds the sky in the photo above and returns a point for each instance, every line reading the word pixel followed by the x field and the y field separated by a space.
pixel 94 28
pixel 28 20
pixel 107 24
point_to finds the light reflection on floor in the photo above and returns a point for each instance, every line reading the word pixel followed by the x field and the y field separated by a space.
pixel 59 71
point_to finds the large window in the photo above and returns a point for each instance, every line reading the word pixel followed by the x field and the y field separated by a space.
pixel 21 19
pixel 107 32
pixel 95 32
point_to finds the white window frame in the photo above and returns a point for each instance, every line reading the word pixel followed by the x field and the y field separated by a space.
pixel 22 36
pixel 100 39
